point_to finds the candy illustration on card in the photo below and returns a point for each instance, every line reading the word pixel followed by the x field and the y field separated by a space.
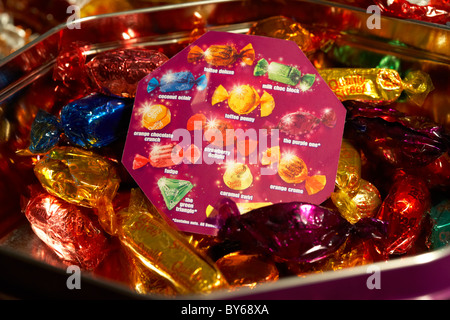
pixel 237 116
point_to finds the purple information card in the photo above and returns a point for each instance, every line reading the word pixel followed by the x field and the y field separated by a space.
pixel 237 116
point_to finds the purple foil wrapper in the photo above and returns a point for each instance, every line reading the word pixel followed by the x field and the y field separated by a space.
pixel 395 138
pixel 294 231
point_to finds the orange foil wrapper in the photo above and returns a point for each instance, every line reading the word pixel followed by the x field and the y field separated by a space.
pixel 222 55
pixel 248 270
pixel 281 27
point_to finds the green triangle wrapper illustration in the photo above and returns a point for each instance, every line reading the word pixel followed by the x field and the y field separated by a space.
pixel 173 190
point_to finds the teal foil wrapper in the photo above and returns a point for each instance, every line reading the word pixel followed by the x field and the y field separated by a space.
pixel 440 214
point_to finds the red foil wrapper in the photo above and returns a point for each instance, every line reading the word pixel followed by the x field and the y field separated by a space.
pixel 405 209
pixel 73 232
pixel 436 11
pixel 118 72
pixel 115 72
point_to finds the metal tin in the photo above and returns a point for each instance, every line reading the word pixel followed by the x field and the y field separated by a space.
pixel 418 44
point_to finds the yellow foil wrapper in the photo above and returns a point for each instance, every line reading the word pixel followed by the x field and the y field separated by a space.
pixel 349 168
pixel 354 197
pixel 364 204
pixel 77 176
pixel 153 241
pixel 376 85
pixel 145 281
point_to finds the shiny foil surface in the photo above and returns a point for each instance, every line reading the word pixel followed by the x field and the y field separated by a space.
pixel 78 176
pixel 118 72
pixel 376 85
pixel 291 232
pixel 161 249
pixel 405 209
pixel 71 231
pixel 394 156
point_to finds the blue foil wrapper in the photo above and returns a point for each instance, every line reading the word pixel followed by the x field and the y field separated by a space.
pixel 179 81
pixel 91 122
pixel 45 132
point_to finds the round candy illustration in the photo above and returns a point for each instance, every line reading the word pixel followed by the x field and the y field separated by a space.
pixel 238 176
pixel 156 117
pixel 292 169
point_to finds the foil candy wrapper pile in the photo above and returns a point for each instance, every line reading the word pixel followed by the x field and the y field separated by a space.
pixel 83 206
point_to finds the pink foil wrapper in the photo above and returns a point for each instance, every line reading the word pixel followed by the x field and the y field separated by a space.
pixel 71 231
pixel 293 231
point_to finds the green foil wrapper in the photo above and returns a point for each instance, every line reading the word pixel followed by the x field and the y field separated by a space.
pixel 440 214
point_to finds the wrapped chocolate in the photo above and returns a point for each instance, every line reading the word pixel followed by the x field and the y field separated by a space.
pixel 300 123
pixel 278 72
pixel 247 270
pixel 157 245
pixel 91 122
pixel 173 190
pixel 291 232
pixel 118 72
pixel 440 215
pixel 238 176
pixel 285 74
pixel 436 173
pixel 396 139
pixel 71 231
pixel 348 174
pixel 77 176
pixel 286 28
pixel 364 203
pixel 244 99
pixel 222 55
pixel 352 253
pixel 146 281
pixel 178 81
pixel 404 209
pixel 156 116
pixel 377 85
pixel 436 11
pixel 354 197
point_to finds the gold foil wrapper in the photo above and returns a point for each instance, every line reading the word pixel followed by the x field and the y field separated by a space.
pixel 154 242
pixel 354 197
pixel 363 204
pixel 349 168
pixel 77 176
pixel 285 28
pixel 242 269
pixel 376 85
